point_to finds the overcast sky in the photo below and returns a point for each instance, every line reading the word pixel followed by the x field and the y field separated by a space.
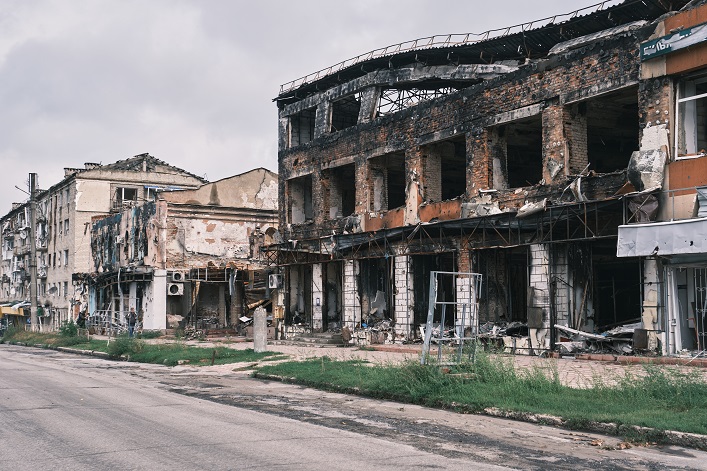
pixel 190 82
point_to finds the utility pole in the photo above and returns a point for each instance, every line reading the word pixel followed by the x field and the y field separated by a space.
pixel 33 250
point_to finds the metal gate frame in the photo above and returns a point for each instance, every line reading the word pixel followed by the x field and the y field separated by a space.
pixel 466 307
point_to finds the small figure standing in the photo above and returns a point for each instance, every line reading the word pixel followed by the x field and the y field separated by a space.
pixel 132 320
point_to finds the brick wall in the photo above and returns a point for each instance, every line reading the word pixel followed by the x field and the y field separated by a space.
pixel 579 74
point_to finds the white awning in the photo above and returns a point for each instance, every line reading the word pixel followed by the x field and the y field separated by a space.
pixel 684 237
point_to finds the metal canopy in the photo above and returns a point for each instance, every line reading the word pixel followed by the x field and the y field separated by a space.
pixel 518 42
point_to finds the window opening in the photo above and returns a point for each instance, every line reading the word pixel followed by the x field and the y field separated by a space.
pixel 300 199
pixel 344 112
pixel 692 118
pixel 386 182
pixel 342 191
pixel 302 127
pixel 612 130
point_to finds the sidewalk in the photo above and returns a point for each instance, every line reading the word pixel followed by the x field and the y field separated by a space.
pixel 581 372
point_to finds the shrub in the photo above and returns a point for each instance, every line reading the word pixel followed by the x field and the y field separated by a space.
pixel 68 329
pixel 123 345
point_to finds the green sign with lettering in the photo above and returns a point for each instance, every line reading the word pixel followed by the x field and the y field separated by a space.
pixel 674 42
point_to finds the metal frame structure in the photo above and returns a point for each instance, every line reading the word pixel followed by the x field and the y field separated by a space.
pixel 466 287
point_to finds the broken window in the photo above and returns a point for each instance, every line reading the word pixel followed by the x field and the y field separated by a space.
pixel 692 118
pixel 344 112
pixel 299 191
pixel 342 191
pixel 612 130
pixel 444 169
pixel 124 196
pixel 386 182
pixel 517 148
pixel 393 100
pixel 302 127
pixel 422 266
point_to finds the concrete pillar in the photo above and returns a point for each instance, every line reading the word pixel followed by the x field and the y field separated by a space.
pixel 351 298
pixel 260 330
pixel 404 297
pixel 322 121
pixel 155 316
pixel 222 304
pixel 369 104
pixel 317 297
pixel 539 281
pixel 236 301
pixel 651 300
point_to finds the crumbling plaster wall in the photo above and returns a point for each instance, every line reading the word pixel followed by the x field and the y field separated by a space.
pixel 256 189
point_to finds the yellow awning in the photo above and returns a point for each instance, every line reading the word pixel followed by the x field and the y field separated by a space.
pixel 9 311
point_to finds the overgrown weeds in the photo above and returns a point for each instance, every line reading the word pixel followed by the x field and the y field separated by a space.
pixel 659 397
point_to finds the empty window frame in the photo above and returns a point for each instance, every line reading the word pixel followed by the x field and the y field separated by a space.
pixel 123 196
pixel 302 127
pixel 344 112
pixel 612 129
pixel 300 205
pixel 393 100
pixel 691 129
pixel 444 169
pixel 523 151
pixel 342 191
pixel 386 182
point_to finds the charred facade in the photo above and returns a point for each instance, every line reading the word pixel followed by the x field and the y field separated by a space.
pixel 517 157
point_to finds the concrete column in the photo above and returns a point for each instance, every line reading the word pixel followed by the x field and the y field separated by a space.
pixel 222 304
pixel 404 297
pixel 369 104
pixel 317 297
pixel 236 301
pixel 540 282
pixel 351 299
pixel 260 330
pixel 322 121
pixel 651 299
pixel 155 303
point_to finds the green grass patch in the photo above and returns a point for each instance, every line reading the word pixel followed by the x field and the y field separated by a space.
pixel 137 350
pixel 173 354
pixel 662 398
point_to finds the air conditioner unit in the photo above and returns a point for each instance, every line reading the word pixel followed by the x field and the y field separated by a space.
pixel 118 240
pixel 274 281
pixel 175 289
pixel 178 276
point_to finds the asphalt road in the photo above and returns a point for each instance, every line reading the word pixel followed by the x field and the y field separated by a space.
pixel 63 411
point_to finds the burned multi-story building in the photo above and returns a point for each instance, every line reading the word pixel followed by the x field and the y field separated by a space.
pixel 62 230
pixel 515 154
pixel 188 258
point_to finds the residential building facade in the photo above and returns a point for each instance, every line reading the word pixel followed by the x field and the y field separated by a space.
pixel 63 229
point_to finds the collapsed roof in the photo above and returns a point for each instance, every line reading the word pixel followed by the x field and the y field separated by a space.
pixel 519 44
